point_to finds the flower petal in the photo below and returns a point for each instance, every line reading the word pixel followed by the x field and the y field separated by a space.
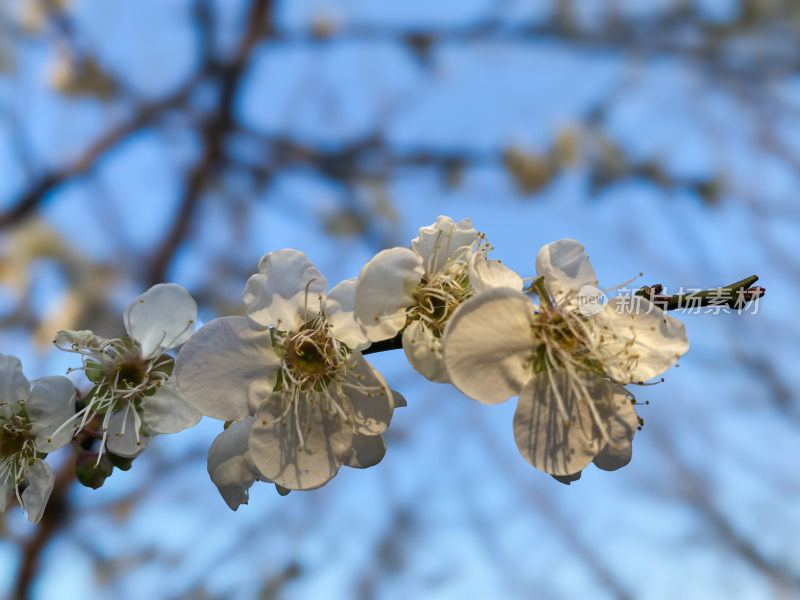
pixel 287 283
pixel 68 339
pixel 339 308
pixel 230 466
pixel 444 240
pixel 424 352
pixel 294 462
pixel 544 437
pixel 385 289
pixel 124 438
pixel 161 318
pixel 488 274
pixel 488 345
pixel 167 411
pixel 644 340
pixel 227 365
pixel 40 484
pixel 368 451
pixel 369 396
pixel 614 456
pixel 621 423
pixel 50 405
pixel 566 269
pixel 14 386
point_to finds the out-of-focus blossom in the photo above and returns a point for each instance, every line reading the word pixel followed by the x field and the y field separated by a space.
pixel 29 423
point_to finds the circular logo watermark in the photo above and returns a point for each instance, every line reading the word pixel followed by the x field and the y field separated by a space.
pixel 591 300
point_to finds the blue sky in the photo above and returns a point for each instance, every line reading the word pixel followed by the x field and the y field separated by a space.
pixel 453 509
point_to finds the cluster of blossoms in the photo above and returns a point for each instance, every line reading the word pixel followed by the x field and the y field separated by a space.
pixel 297 397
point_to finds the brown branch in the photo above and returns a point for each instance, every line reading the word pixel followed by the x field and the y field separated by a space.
pixel 735 295
pixel 38 191
pixel 696 493
pixel 214 134
pixel 53 520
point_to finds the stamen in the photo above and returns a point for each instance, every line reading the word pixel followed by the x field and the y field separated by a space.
pixel 616 287
pixel 305 302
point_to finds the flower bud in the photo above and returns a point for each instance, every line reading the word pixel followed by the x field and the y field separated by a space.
pixel 90 471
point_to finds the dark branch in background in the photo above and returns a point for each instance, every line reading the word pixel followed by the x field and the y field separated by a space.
pixel 36 194
pixel 664 34
pixel 696 492
pixel 53 519
pixel 214 134
pixel 56 515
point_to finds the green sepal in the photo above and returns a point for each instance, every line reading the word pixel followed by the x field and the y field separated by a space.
pixel 278 382
pixel 93 370
pixel 123 463
pixel 90 472
pixel 164 364
pixel 540 361
pixel 540 289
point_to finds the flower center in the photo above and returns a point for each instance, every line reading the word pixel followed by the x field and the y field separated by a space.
pixel 15 436
pixel 310 356
pixel 435 300
pixel 121 377
pixel 565 339
pixel 130 373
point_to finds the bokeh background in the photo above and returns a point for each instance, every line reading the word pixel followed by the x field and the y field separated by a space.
pixel 180 140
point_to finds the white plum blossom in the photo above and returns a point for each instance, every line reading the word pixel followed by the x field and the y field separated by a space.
pixel 290 380
pixel 416 290
pixel 567 367
pixel 29 420
pixel 134 390
pixel 229 464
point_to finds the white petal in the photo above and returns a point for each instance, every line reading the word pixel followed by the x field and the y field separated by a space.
pixel 287 284
pixel 14 386
pixel 67 339
pixel 385 290
pixel 167 411
pixel 225 366
pixel 40 484
pixel 279 454
pixel 161 318
pixel 424 352
pixel 50 405
pixel 368 451
pixel 566 269
pixel 621 424
pixel 488 345
pixel 123 437
pixel 372 405
pixel 230 466
pixel 442 241
pixel 339 307
pixel 644 340
pixel 487 274
pixel 544 438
